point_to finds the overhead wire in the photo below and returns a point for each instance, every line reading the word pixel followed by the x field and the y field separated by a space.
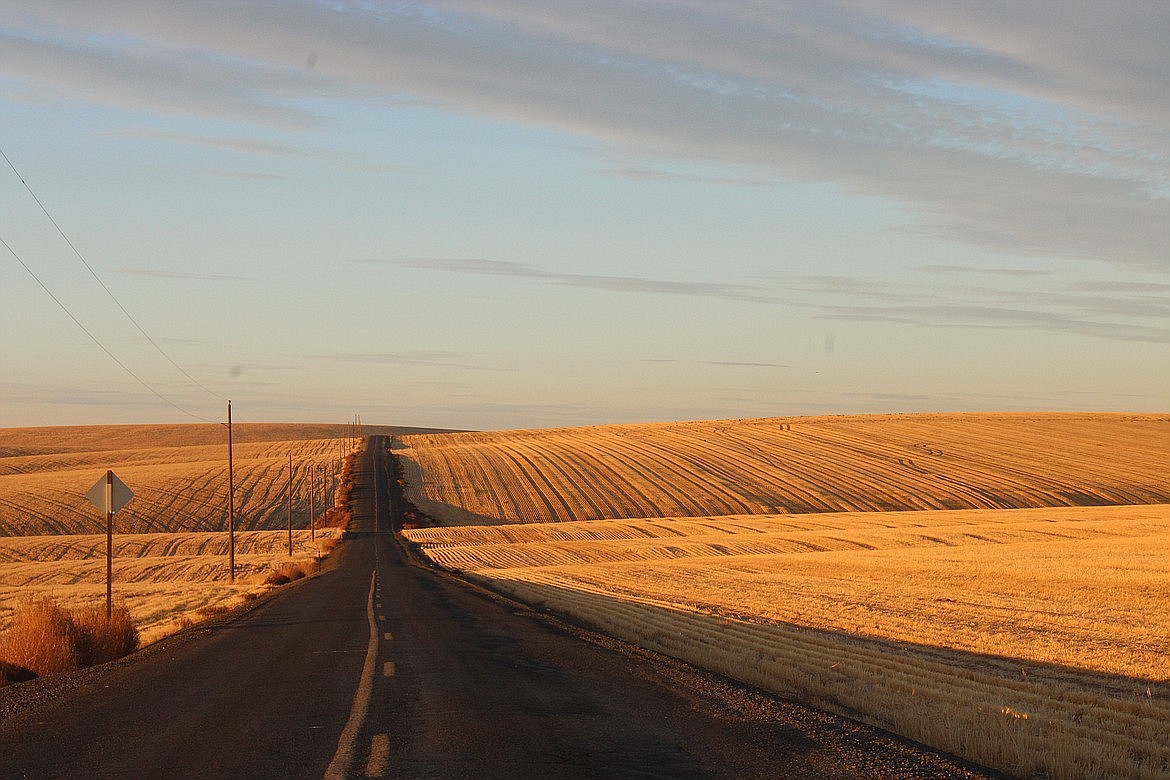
pixel 96 340
pixel 103 285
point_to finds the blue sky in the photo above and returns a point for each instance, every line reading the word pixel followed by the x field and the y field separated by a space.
pixel 523 214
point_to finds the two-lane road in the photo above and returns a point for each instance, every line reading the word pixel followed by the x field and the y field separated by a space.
pixel 383 668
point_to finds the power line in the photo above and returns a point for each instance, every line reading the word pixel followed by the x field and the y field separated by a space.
pixel 98 279
pixel 97 341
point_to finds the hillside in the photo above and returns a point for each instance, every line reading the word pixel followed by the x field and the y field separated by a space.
pixel 178 474
pixel 871 463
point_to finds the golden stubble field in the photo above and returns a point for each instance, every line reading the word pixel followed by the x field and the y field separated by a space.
pixel 992 585
pixel 171 545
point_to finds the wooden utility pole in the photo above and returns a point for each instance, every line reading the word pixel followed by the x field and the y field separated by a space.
pixel 327 478
pixel 290 502
pixel 312 505
pixel 231 501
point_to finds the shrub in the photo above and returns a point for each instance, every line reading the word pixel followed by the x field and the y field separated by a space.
pixel 45 638
pixel 337 517
pixel 289 571
pixel 110 639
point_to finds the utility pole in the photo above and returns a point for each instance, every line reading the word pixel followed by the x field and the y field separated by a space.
pixel 312 506
pixel 231 501
pixel 290 503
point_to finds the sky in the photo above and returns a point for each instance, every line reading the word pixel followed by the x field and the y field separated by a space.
pixel 526 213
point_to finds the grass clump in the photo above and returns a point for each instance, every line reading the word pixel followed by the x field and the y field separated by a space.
pixel 290 571
pixel 45 639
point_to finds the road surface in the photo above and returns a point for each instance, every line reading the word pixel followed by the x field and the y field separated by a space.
pixel 382 668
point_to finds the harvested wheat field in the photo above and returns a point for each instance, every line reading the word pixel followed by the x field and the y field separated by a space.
pixel 166 580
pixel 1033 640
pixel 876 463
pixel 171 545
pixel 178 474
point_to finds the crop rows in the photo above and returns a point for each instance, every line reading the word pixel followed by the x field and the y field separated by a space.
pixel 800 465
pixel 162 578
pixel 1029 640
pixel 181 488
pixel 1007 718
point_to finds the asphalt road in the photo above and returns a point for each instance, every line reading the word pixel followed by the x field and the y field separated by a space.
pixel 382 668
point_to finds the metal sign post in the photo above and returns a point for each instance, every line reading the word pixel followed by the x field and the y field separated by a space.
pixel 109 494
pixel 290 503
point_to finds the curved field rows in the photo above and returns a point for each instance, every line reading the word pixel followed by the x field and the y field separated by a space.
pixel 163 578
pixel 1005 716
pixel 42 440
pixel 45 549
pixel 1077 586
pixel 1030 640
pixel 796 465
pixel 473 549
pixel 175 488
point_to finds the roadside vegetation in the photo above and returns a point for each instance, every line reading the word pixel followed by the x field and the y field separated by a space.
pixel 170 547
pixel 44 638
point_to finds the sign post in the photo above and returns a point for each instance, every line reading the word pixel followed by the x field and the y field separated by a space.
pixel 109 494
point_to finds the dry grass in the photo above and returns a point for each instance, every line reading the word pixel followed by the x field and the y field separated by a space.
pixel 167 581
pixel 45 638
pixel 290 571
pixel 795 465
pixel 1033 641
pixel 1075 586
pixel 1028 639
pixel 171 566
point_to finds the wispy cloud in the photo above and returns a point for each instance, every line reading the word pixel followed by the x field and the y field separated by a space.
pixel 432 358
pixel 246 175
pixel 985 271
pixel 158 273
pixel 744 364
pixel 1004 125
pixel 1122 312
pixel 243 145
pixel 608 283
pixel 653 174
pixel 259 147
pixel 140 73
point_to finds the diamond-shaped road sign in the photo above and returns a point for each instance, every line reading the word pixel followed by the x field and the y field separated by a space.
pixel 109 494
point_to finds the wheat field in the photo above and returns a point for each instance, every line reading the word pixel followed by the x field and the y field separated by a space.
pixel 793 465
pixel 171 546
pixel 1011 611
pixel 178 475
pixel 166 580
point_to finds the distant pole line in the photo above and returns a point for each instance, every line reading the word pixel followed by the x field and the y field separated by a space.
pixel 103 285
